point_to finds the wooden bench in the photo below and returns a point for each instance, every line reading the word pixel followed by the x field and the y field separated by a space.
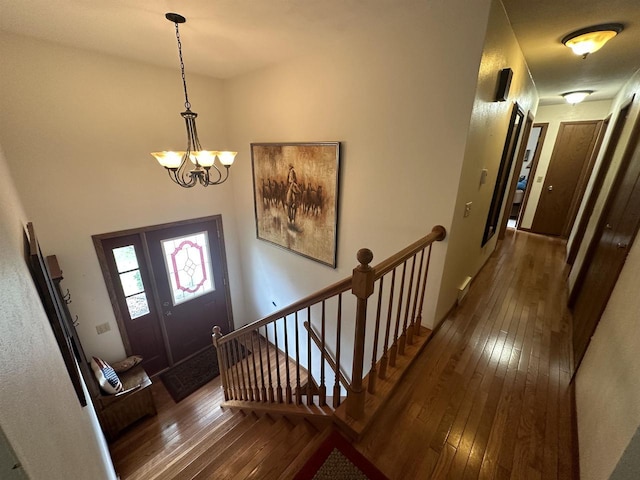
pixel 116 412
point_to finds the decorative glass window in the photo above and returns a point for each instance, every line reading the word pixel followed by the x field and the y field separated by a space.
pixel 131 281
pixel 188 265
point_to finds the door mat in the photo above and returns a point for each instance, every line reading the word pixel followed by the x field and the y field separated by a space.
pixel 187 377
pixel 337 459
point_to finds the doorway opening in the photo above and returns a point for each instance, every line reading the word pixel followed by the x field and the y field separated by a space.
pixel 168 286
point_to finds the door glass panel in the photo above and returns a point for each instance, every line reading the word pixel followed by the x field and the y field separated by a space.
pixel 125 258
pixel 138 305
pixel 188 266
pixel 131 281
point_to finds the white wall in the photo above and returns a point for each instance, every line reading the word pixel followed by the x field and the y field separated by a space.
pixel 51 434
pixel 485 143
pixel 554 115
pixel 77 128
pixel 398 96
pixel 607 386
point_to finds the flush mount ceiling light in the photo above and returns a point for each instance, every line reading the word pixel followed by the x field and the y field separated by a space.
pixel 591 39
pixel 179 163
pixel 577 96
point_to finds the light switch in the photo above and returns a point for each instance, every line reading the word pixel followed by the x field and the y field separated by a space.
pixel 467 209
pixel 483 176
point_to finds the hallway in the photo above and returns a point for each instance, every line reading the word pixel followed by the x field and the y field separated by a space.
pixel 489 397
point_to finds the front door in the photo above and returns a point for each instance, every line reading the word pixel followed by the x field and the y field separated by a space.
pixel 168 286
pixel 567 177
pixel 187 264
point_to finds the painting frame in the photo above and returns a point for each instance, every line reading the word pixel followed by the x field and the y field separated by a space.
pixel 295 193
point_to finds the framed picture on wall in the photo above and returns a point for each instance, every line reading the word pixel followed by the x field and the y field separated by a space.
pixel 295 187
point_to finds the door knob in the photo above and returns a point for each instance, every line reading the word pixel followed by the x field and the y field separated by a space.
pixel 621 245
pixel 168 313
pixel 550 188
pixel 608 226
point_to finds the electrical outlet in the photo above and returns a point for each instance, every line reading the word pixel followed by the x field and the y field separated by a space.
pixel 103 328
pixel 467 209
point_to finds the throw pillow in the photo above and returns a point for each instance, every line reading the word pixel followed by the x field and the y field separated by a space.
pixel 127 363
pixel 106 376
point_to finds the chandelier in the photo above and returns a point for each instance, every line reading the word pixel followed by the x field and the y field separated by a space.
pixel 179 164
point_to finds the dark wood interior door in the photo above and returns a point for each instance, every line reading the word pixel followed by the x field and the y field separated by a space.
pixel 615 234
pixel 190 276
pixel 568 173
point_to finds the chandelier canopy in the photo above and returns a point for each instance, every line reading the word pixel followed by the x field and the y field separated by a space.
pixel 179 163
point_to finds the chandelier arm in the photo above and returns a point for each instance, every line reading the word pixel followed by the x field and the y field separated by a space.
pixel 217 181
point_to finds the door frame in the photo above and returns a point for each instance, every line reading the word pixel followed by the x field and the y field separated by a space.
pixel 141 232
pixel 583 178
pixel 532 174
pixel 612 145
pixel 631 149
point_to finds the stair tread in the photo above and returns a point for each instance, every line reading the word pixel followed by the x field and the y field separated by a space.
pixel 284 453
pixel 235 451
pixel 194 444
pixel 211 450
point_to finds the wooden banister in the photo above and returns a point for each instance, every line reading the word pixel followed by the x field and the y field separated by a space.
pixel 283 380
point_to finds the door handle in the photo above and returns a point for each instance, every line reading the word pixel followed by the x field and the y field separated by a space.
pixel 608 226
pixel 621 245
pixel 550 188
pixel 168 313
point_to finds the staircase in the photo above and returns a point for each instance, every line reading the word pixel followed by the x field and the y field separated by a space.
pixel 293 362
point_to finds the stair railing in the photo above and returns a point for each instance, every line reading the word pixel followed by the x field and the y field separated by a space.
pixel 283 357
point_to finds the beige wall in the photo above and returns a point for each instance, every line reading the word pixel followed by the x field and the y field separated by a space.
pixel 398 95
pixel 554 115
pixel 77 129
pixel 51 434
pixel 485 142
pixel 607 386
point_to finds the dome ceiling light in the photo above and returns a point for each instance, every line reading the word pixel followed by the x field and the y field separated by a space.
pixel 591 39
pixel 577 96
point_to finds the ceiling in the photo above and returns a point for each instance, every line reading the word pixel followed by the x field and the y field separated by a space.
pixel 225 38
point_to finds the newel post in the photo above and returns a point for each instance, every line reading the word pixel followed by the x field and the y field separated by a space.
pixel 216 336
pixel 362 288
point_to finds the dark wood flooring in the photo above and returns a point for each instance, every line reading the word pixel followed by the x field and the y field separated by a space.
pixel 488 398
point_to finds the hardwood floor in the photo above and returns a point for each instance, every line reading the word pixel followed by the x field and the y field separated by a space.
pixel 489 396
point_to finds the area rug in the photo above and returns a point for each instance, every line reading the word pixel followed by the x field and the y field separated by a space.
pixel 337 459
pixel 188 376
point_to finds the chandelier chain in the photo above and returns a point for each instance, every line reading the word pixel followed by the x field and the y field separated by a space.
pixel 187 105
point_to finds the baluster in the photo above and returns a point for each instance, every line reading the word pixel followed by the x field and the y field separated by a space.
pixel 394 348
pixel 372 373
pixel 309 373
pixel 336 385
pixel 383 361
pixel 256 388
pixel 263 388
pixel 362 288
pixel 227 347
pixel 239 366
pixel 424 287
pixel 270 389
pixel 323 389
pixel 278 381
pixel 286 355
pixel 245 361
pixel 403 338
pixel 412 327
pixel 217 335
pixel 298 388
